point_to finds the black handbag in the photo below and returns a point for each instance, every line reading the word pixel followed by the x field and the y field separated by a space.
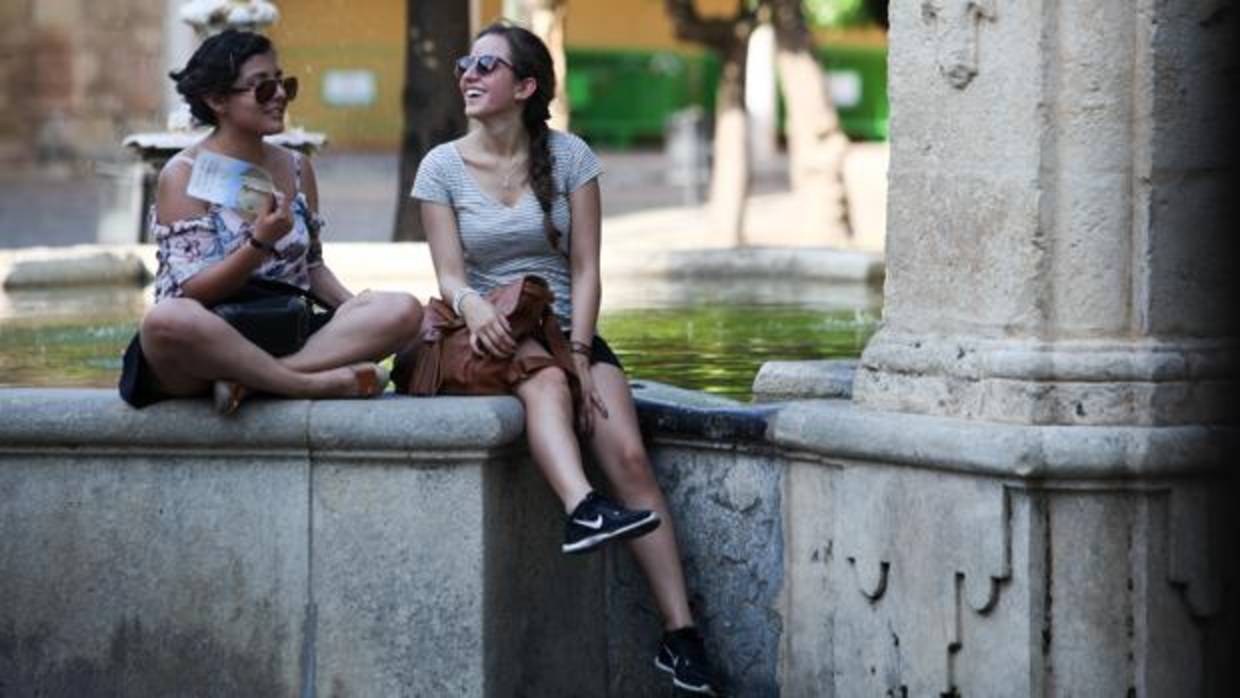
pixel 276 316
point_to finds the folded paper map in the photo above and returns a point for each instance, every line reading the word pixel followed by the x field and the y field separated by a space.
pixel 231 183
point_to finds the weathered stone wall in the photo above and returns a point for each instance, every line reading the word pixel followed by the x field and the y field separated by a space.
pixel 393 547
pixel 932 556
pixel 77 75
pixel 1058 244
pixel 408 547
pixel 1031 493
pixel 329 547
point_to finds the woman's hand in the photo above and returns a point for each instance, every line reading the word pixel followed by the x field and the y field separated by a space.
pixel 489 332
pixel 590 397
pixel 277 221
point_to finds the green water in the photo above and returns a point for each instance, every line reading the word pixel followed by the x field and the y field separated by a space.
pixel 63 353
pixel 714 347
pixel 719 348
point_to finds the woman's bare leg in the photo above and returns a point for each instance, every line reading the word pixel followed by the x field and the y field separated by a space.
pixel 617 444
pixel 367 327
pixel 549 427
pixel 188 346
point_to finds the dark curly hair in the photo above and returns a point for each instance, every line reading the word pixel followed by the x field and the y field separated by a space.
pixel 214 68
pixel 531 59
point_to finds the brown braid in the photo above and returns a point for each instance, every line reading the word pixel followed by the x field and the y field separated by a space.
pixel 531 59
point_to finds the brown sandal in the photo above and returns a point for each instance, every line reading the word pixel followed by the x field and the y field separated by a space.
pixel 371 379
pixel 227 396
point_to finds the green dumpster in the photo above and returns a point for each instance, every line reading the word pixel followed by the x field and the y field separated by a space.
pixel 620 97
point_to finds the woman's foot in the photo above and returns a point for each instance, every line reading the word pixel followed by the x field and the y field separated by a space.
pixel 362 380
pixel 597 520
pixel 369 380
pixel 683 655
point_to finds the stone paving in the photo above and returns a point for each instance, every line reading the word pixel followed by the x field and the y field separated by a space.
pixel 358 194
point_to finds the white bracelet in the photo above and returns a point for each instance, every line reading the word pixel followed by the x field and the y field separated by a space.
pixel 459 296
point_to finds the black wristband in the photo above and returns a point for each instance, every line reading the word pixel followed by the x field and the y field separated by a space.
pixel 261 246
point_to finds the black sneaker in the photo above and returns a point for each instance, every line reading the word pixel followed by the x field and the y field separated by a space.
pixel 597 520
pixel 682 654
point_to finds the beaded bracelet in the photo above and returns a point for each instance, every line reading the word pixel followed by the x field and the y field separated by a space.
pixel 579 348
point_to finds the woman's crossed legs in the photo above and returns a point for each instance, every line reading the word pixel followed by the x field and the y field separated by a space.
pixel 188 347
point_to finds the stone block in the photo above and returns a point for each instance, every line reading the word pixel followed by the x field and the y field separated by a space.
pixel 419 427
pixel 909 572
pixel 94 269
pixel 966 259
pixel 726 507
pixel 812 590
pixel 803 380
pixel 158 573
pixel 546 625
pixel 398 572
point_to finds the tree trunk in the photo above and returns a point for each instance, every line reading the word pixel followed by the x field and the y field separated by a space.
pixel 816 145
pixel 546 19
pixel 729 177
pixel 438 32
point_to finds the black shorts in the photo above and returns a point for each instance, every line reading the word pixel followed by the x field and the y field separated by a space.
pixel 138 385
pixel 600 352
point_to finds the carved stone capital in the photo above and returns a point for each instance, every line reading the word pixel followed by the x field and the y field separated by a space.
pixel 956 24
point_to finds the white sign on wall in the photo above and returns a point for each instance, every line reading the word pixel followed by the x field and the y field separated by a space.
pixel 845 88
pixel 349 88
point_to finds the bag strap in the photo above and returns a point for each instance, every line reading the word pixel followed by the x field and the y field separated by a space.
pixel 416 369
pixel 427 376
pixel 260 286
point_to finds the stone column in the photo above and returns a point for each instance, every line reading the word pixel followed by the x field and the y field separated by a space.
pixel 1031 490
pixel 1058 213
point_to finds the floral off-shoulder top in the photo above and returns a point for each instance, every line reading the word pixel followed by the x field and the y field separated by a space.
pixel 188 246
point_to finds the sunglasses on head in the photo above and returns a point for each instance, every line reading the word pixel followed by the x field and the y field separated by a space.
pixel 265 89
pixel 483 65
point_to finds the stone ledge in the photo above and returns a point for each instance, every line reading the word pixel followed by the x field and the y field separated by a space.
pixel 392 424
pixel 1098 382
pixel 397 426
pixel 80 265
pixel 839 429
pixel 804 263
pixel 96 417
pixel 803 380
pixel 668 411
pixel 410 263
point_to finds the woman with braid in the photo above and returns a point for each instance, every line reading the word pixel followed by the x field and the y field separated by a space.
pixel 513 198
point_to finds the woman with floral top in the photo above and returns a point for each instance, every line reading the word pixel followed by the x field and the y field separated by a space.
pixel 208 252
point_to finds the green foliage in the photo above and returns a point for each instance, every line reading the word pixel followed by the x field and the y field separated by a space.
pixel 837 13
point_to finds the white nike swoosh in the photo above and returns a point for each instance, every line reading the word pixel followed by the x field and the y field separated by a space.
pixel 595 524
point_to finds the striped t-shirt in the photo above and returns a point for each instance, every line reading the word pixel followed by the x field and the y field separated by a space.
pixel 501 242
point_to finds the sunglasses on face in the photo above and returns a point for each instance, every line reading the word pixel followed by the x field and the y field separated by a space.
pixel 265 89
pixel 483 65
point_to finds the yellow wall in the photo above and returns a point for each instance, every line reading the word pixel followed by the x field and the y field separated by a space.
pixel 315 36
pixel 637 24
